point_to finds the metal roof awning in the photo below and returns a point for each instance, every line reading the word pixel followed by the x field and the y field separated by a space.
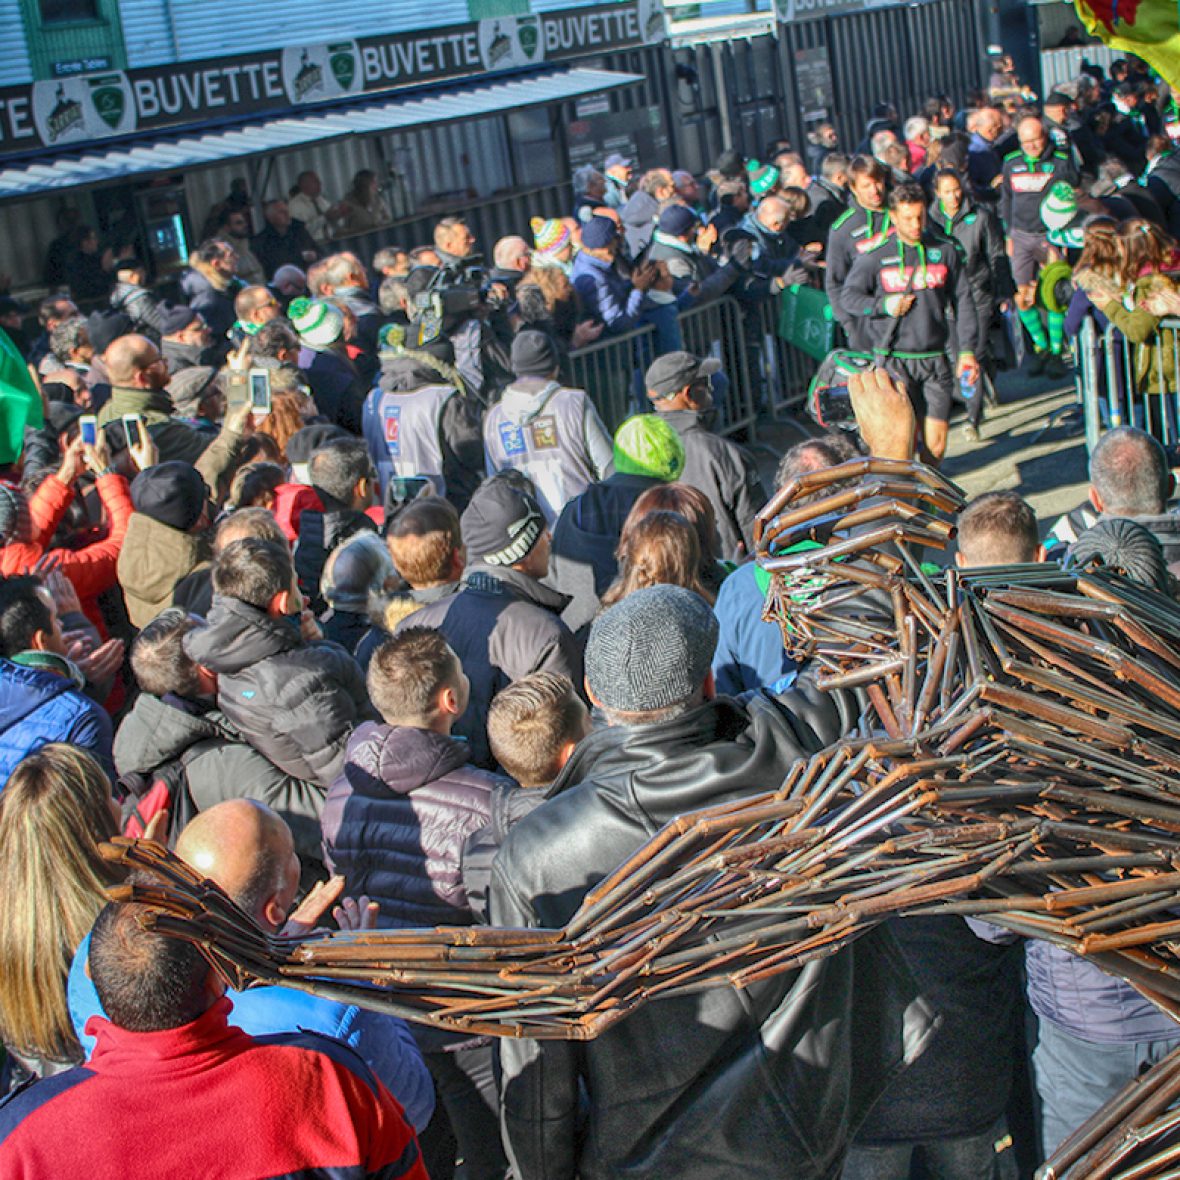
pixel 175 153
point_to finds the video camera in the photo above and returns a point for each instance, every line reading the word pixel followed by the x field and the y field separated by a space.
pixel 445 296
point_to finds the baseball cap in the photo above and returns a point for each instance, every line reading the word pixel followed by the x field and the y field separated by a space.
pixel 670 373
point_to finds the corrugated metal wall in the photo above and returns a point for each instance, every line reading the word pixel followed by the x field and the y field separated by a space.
pixel 159 31
pixel 901 55
pixel 14 61
pixel 737 84
pixel 447 165
pixel 147 32
pixel 26 229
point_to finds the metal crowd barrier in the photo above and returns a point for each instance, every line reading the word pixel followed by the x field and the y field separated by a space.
pixel 785 372
pixel 763 372
pixel 1114 394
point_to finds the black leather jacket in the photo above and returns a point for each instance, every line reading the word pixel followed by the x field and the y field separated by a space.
pixel 724 1085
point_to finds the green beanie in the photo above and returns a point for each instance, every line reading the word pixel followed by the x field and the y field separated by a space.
pixel 1060 206
pixel 647 445
pixel 762 177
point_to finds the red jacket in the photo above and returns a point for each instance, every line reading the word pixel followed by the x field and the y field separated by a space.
pixel 293 499
pixel 92 568
pixel 208 1100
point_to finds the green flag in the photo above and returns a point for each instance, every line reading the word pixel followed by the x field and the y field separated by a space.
pixel 805 320
pixel 20 400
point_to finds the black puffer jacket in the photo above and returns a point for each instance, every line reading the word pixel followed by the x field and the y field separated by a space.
pixel 502 625
pixel 510 804
pixel 724 1085
pixel 294 702
pixel 396 819
pixel 145 309
pixel 218 764
pixel 320 534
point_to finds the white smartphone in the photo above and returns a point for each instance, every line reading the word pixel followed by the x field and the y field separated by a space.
pixel 260 392
pixel 88 425
pixel 133 429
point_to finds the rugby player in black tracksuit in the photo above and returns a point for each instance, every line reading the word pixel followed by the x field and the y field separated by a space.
pixel 978 232
pixel 1029 173
pixel 905 288
pixel 856 231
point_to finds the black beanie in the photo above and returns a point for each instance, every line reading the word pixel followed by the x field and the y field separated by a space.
pixel 533 354
pixel 502 523
pixel 172 493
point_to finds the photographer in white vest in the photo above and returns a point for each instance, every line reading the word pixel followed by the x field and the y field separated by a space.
pixel 551 433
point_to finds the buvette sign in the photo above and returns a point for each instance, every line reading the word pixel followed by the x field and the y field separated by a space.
pixel 66 112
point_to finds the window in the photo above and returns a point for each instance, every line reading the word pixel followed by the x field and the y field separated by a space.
pixel 60 11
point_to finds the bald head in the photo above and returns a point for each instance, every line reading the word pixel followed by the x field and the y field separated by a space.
pixel 256 305
pixel 247 849
pixel 512 253
pixel 774 213
pixel 130 361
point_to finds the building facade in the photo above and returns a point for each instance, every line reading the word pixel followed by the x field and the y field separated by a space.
pixel 147 111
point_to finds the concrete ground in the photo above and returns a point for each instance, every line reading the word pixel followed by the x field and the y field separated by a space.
pixel 1014 452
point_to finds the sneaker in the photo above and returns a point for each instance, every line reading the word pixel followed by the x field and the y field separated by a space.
pixel 1037 365
pixel 971 432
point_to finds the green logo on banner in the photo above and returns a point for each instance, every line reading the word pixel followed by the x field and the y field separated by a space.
pixel 343 69
pixel 109 101
pixel 529 36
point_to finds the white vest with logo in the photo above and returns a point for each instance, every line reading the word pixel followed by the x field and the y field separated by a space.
pixel 411 424
pixel 549 446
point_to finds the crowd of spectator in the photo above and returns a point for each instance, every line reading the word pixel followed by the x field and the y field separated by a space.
pixel 419 624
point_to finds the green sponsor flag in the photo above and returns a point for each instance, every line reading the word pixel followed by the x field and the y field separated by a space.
pixel 20 400
pixel 805 320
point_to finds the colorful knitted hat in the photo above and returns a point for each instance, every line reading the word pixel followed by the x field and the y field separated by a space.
pixel 763 177
pixel 1060 206
pixel 549 236
pixel 647 445
pixel 318 322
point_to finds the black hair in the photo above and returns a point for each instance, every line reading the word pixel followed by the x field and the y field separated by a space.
pixel 253 571
pixel 23 612
pixel 273 338
pixel 145 981
pixel 158 658
pixel 336 467
pixel 907 194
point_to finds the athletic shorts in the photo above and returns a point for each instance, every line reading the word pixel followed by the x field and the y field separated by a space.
pixel 1029 253
pixel 930 383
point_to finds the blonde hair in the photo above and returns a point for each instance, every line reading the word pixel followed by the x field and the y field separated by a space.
pixel 54 810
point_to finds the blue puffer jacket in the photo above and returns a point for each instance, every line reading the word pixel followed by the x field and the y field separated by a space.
pixel 1086 1002
pixel 1074 994
pixel 37 707
pixel 605 294
pixel 396 819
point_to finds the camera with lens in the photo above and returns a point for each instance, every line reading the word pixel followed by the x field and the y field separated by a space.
pixel 441 298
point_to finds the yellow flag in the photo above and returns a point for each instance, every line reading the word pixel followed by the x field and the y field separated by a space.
pixel 1150 29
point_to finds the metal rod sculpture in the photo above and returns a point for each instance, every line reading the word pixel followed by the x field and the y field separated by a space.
pixel 1015 760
